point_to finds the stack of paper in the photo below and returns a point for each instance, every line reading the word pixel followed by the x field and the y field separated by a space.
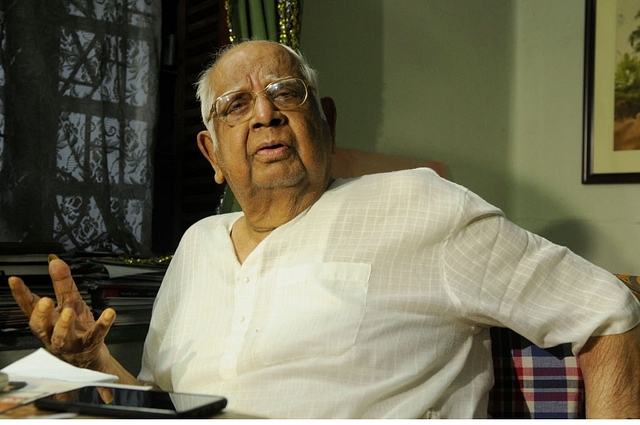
pixel 42 364
pixel 42 374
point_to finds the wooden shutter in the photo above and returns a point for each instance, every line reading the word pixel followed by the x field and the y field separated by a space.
pixel 193 194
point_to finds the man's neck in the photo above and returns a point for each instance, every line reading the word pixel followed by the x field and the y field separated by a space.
pixel 264 213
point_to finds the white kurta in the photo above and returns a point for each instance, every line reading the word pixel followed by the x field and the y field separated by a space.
pixel 375 302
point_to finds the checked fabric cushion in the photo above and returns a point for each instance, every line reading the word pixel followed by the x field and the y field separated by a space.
pixel 532 382
pixel 536 383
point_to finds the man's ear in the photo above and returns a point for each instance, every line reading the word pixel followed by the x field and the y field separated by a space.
pixel 205 143
pixel 331 114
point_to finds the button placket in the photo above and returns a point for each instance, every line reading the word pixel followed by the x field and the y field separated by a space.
pixel 245 292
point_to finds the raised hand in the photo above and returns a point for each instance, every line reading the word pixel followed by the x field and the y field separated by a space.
pixel 68 329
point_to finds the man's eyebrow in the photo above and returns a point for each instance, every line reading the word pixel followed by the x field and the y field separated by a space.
pixel 231 90
pixel 270 78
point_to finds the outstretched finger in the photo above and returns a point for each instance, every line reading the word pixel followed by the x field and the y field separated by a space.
pixel 63 285
pixel 97 333
pixel 64 336
pixel 42 320
pixel 26 299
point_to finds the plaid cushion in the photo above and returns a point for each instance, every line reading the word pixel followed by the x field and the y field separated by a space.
pixel 536 383
pixel 632 282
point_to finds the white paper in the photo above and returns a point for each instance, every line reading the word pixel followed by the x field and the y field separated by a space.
pixel 42 364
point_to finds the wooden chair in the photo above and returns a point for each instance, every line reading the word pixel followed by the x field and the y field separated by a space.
pixel 353 163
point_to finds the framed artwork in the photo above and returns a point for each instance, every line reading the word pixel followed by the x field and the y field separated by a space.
pixel 611 139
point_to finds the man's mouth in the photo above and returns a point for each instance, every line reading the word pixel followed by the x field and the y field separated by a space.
pixel 272 147
pixel 275 151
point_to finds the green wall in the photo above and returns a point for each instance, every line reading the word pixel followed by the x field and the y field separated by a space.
pixel 493 88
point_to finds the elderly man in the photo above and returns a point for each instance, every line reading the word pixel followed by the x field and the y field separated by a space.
pixel 369 297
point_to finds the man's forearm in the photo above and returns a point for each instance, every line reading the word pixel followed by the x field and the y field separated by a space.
pixel 106 363
pixel 610 367
pixel 113 367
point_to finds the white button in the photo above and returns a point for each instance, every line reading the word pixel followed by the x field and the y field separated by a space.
pixel 246 279
pixel 241 319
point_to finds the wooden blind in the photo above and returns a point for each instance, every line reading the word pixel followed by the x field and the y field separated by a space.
pixel 202 30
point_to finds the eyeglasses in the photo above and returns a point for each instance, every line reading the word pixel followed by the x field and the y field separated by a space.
pixel 237 107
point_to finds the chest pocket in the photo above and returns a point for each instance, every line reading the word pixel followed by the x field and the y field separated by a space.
pixel 316 311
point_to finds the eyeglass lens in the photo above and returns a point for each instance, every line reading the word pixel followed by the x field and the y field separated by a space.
pixel 237 107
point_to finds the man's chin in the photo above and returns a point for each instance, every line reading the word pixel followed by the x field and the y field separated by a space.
pixel 278 177
pixel 277 182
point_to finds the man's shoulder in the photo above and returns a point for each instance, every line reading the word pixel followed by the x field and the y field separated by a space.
pixel 412 190
pixel 401 182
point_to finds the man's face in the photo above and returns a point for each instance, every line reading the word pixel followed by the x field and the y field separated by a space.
pixel 274 149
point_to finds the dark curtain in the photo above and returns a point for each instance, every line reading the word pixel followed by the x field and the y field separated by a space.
pixel 78 112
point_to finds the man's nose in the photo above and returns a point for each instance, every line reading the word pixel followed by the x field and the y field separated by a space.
pixel 265 113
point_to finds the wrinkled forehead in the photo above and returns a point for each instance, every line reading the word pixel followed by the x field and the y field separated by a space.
pixel 252 63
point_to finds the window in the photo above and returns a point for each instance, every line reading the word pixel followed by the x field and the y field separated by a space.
pixel 78 112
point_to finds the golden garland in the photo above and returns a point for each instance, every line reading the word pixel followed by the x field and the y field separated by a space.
pixel 228 7
pixel 288 22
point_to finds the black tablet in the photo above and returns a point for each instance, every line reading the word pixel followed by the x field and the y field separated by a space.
pixel 133 403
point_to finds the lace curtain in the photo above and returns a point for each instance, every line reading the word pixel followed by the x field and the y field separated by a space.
pixel 78 112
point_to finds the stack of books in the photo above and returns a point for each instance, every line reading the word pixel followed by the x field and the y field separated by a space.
pixel 127 287
pixel 130 290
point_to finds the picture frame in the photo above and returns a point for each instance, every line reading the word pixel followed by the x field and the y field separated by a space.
pixel 610 152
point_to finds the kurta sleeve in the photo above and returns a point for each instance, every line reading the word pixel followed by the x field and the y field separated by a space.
pixel 502 275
